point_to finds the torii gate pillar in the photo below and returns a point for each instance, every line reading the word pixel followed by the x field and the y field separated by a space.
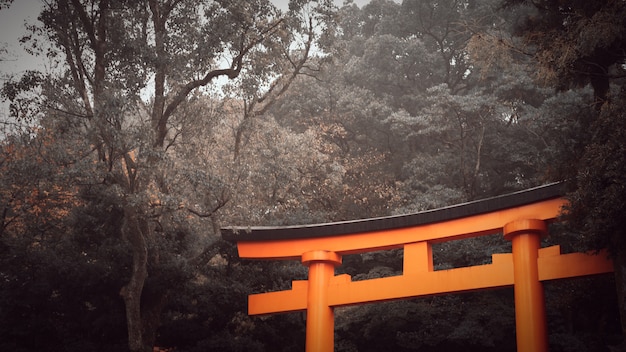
pixel 320 320
pixel 530 309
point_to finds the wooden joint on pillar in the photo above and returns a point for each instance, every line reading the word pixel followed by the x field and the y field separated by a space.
pixel 525 226
pixel 321 256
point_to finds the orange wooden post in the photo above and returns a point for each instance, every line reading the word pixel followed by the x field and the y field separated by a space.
pixel 418 258
pixel 320 320
pixel 530 309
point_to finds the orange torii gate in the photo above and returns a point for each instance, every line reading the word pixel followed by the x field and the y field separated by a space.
pixel 522 217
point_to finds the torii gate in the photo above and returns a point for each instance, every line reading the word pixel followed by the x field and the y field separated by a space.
pixel 522 217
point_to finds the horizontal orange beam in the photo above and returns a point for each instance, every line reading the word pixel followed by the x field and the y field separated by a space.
pixel 342 291
pixel 281 301
pixel 553 267
pixel 423 284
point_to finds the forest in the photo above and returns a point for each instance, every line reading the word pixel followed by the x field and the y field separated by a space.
pixel 157 122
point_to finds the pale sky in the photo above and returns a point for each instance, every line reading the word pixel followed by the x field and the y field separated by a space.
pixel 12 27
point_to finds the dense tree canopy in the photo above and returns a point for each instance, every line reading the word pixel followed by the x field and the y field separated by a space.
pixel 161 120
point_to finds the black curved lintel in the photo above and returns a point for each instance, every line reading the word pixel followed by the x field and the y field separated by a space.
pixel 510 200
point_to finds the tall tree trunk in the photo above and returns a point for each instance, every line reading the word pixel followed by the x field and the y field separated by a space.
pixel 131 292
pixel 151 307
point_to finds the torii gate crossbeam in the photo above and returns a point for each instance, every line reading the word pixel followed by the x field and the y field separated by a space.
pixel 522 217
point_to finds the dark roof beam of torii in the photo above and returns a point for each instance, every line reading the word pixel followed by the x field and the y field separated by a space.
pixel 511 200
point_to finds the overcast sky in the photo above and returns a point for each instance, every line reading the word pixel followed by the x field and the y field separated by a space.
pixel 11 28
